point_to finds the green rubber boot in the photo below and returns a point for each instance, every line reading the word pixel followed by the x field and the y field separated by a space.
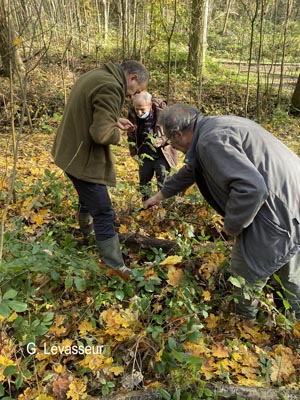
pixel 111 254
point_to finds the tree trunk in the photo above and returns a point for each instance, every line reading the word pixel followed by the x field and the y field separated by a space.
pixel 251 50
pixel 285 27
pixel 194 45
pixel 198 36
pixel 198 42
pixel 228 6
pixel 11 60
pixel 106 4
pixel 259 55
pixel 296 97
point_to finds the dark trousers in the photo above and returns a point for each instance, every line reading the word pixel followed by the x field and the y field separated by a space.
pixel 159 167
pixel 94 199
pixel 288 274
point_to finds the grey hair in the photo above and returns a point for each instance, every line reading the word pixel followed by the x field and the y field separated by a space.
pixel 177 118
pixel 135 67
pixel 144 96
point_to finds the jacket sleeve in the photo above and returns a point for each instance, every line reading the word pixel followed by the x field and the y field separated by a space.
pixel 131 135
pixel 178 182
pixel 230 170
pixel 106 102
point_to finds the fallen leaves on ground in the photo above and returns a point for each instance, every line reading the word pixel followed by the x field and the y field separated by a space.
pixel 129 334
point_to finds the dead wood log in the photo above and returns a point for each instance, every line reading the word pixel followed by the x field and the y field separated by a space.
pixel 133 395
pixel 145 242
pixel 138 241
pixel 234 391
pixel 253 393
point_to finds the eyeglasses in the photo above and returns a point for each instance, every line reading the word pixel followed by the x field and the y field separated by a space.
pixel 171 138
pixel 172 134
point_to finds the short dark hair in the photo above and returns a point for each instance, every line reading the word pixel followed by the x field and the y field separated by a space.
pixel 177 118
pixel 136 67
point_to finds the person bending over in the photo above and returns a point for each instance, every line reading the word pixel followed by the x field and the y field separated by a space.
pixel 253 180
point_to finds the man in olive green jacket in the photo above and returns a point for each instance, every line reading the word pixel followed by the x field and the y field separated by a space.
pixel 90 124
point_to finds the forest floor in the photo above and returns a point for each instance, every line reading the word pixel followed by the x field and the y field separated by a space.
pixel 170 328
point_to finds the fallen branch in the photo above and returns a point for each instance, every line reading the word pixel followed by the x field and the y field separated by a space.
pixel 253 393
pixel 146 242
pixel 234 391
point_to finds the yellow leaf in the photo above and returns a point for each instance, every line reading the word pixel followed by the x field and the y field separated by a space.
pixel 17 41
pixel 249 382
pixel 155 384
pixel 59 369
pixel 222 366
pixel 249 359
pixel 66 343
pixel 282 366
pixel 236 356
pixel 96 362
pixel 249 372
pixel 44 397
pixel 159 355
pixel 220 351
pixel 38 219
pixel 4 362
pixel 28 203
pixel 212 321
pixel 123 228
pixel 175 276
pixel 59 329
pixel 59 319
pixel 118 370
pixel 208 369
pixel 85 327
pixel 296 330
pixel 172 260
pixel 29 394
pixel 197 349
pixel 149 273
pixel 12 317
pixel 28 229
pixel 157 308
pixel 77 390
pixel 206 295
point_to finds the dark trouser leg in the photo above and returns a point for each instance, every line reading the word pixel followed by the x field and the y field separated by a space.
pixel 290 278
pixel 162 170
pixel 85 220
pixel 96 199
pixel 246 307
pixel 97 202
pixel 146 173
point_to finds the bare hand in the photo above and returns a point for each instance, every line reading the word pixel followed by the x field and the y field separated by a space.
pixel 159 142
pixel 154 200
pixel 125 124
pixel 227 233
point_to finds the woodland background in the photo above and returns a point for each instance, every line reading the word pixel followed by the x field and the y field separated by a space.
pixel 170 330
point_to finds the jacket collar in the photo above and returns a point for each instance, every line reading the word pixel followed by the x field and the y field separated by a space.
pixel 191 153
